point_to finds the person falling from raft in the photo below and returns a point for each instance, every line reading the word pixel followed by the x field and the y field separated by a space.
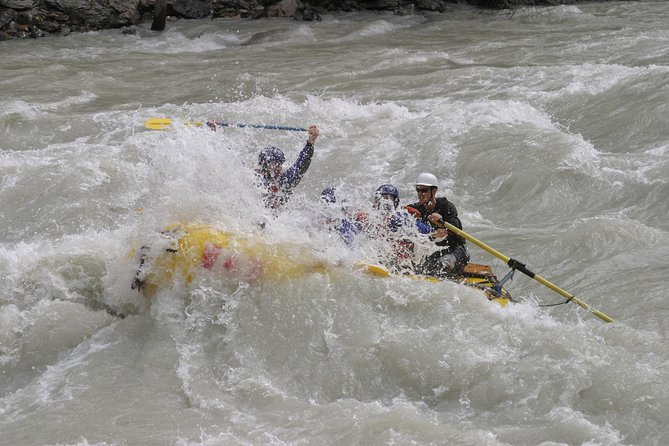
pixel 338 217
pixel 277 185
pixel 394 227
pixel 452 256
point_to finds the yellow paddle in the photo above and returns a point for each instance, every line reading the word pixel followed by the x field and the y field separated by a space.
pixel 521 267
pixel 163 123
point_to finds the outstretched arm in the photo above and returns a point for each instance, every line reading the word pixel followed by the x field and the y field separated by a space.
pixel 294 174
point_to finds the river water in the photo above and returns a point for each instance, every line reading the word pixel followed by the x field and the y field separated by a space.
pixel 548 128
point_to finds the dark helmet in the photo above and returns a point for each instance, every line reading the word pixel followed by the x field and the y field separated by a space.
pixel 328 195
pixel 271 155
pixel 388 189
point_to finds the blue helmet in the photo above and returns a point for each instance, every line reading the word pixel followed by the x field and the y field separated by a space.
pixel 270 155
pixel 389 189
pixel 328 195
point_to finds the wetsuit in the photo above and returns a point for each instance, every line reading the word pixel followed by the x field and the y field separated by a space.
pixel 276 191
pixel 451 259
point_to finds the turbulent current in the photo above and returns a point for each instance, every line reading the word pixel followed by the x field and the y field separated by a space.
pixel 548 129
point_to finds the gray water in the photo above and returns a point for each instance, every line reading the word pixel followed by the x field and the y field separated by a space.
pixel 547 128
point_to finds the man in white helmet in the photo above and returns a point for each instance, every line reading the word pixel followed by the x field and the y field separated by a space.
pixel 452 255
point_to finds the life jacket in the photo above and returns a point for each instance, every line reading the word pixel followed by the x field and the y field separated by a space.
pixel 448 212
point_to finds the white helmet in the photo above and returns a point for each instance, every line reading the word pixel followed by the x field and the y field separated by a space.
pixel 427 179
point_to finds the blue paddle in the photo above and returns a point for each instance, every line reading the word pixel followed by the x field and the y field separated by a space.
pixel 162 123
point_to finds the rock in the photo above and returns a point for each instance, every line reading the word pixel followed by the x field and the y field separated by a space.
pixel 49 26
pixel 192 9
pixel 18 4
pixel 388 5
pixel 97 15
pixel 285 8
pixel 6 17
pixel 406 10
pixel 310 14
pixel 231 8
pixel 431 5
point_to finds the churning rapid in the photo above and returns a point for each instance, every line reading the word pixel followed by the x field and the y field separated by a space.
pixel 546 127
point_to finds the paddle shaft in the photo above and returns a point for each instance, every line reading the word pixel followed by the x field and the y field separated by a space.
pixel 258 126
pixel 161 123
pixel 523 269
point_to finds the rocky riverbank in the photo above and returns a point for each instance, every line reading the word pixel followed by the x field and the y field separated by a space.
pixel 38 18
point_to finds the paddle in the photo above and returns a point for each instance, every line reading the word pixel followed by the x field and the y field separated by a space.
pixel 521 267
pixel 162 123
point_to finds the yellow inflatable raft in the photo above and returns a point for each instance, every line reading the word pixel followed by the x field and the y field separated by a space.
pixel 474 275
pixel 189 249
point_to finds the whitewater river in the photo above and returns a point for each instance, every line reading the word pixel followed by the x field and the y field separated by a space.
pixel 547 128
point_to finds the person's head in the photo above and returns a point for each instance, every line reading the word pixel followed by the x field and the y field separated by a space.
pixel 426 187
pixel 387 197
pixel 270 161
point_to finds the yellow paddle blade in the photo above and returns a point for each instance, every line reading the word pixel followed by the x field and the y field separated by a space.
pixel 374 270
pixel 163 123
pixel 157 123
